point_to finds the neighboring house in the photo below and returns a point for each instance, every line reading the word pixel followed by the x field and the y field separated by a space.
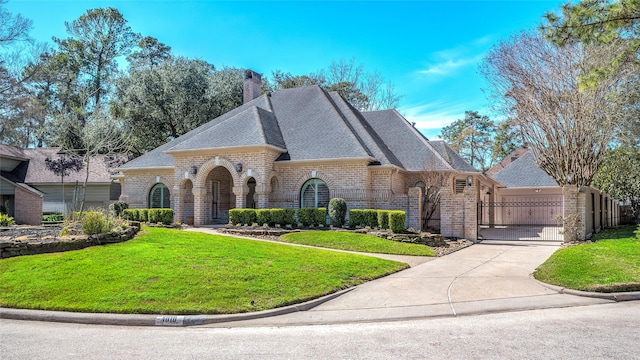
pixel 528 196
pixel 28 187
pixel 299 148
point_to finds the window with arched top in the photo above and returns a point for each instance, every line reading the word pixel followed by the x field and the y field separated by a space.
pixel 159 196
pixel 314 194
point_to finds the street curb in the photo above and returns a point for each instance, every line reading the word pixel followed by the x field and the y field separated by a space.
pixel 617 296
pixel 157 320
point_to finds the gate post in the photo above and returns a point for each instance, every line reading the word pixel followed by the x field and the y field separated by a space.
pixel 470 213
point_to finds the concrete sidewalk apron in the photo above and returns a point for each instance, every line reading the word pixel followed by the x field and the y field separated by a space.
pixel 487 277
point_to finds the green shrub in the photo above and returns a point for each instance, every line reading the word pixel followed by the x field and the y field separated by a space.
pixel 263 216
pixel 118 207
pixel 164 216
pixel 95 222
pixel 130 214
pixel 234 216
pixel 289 216
pixel 337 211
pixel 305 216
pixel 370 218
pixel 277 216
pixel 397 219
pixel 55 216
pixel 143 215
pixel 356 218
pixel 6 220
pixel 320 216
pixel 247 216
pixel 383 219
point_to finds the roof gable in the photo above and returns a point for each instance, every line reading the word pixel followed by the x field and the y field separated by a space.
pixel 524 172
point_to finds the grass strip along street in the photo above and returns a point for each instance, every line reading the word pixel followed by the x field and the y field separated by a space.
pixel 356 242
pixel 610 264
pixel 166 271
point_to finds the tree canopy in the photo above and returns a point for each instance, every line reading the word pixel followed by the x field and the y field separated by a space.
pixel 472 138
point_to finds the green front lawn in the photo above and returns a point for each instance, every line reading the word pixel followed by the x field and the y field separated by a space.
pixel 166 271
pixel 611 264
pixel 356 242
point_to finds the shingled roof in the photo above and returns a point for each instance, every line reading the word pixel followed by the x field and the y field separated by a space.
pixel 521 171
pixel 33 167
pixel 308 123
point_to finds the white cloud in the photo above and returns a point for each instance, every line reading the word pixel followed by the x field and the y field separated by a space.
pixel 449 66
pixel 448 61
pixel 434 116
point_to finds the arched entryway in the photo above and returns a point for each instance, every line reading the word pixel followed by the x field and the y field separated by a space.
pixel 219 196
pixel 251 194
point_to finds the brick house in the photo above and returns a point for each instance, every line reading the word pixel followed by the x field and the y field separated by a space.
pixel 28 187
pixel 299 148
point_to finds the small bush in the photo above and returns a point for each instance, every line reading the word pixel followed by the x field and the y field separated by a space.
pixel 305 216
pixel 370 218
pixel 320 216
pixel 6 220
pixel 397 220
pixel 355 218
pixel 383 219
pixel 118 207
pixel 234 216
pixel 289 216
pixel 143 215
pixel 263 216
pixel 130 214
pixel 95 222
pixel 53 217
pixel 164 216
pixel 337 211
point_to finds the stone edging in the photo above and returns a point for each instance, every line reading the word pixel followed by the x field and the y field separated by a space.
pixel 157 320
pixel 13 248
pixel 617 296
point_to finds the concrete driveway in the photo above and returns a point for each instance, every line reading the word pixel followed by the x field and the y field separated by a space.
pixel 492 276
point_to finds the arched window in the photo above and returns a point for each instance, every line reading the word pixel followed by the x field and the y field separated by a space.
pixel 159 196
pixel 314 194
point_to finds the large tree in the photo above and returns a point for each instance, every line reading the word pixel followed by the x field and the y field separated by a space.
pixel 619 176
pixel 537 84
pixel 472 138
pixel 365 90
pixel 161 103
pixel 598 22
pixel 96 40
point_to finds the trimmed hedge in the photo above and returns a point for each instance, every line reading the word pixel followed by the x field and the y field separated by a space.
pixel 397 220
pixel 164 216
pixel 312 216
pixel 243 216
pixel 383 219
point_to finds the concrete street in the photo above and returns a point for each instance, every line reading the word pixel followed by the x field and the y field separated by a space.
pixel 608 331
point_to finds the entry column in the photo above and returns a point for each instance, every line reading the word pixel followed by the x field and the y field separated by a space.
pixel 199 205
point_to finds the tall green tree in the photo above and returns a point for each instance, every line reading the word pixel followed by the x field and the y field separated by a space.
pixel 96 40
pixel 598 22
pixel 619 176
pixel 506 139
pixel 472 138
pixel 159 104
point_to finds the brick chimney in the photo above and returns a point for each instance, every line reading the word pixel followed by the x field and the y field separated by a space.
pixel 252 85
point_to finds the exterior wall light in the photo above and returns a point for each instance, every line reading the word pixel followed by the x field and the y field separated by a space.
pixel 194 169
pixel 239 167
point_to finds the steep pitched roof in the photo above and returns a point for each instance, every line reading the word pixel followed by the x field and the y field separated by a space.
pixel 414 151
pixel 311 124
pixel 515 154
pixel 523 172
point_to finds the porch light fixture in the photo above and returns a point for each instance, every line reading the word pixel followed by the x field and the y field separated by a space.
pixel 239 167
pixel 538 190
pixel 194 169
pixel 469 180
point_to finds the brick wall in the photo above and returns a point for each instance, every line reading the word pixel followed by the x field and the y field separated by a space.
pixel 28 207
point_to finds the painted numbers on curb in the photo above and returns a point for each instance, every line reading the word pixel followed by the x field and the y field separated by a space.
pixel 170 321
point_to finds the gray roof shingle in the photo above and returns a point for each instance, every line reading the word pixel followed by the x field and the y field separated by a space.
pixel 311 124
pixel 524 172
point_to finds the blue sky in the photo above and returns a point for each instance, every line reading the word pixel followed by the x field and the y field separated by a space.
pixel 430 50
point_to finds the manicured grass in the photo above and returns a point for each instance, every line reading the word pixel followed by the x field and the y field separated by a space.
pixel 166 271
pixel 611 264
pixel 356 242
